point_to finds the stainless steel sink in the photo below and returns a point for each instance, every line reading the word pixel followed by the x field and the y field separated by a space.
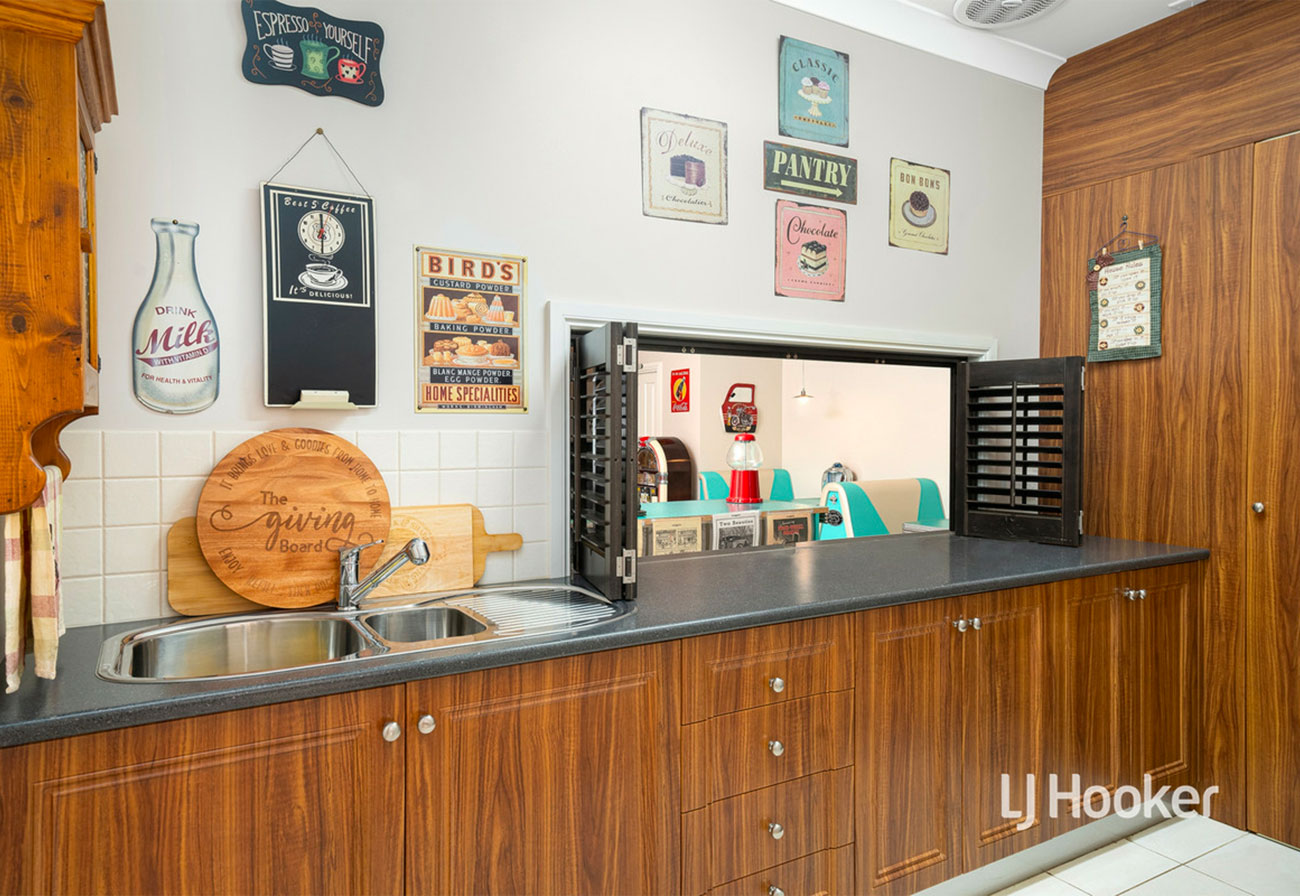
pixel 257 644
pixel 420 625
pixel 240 645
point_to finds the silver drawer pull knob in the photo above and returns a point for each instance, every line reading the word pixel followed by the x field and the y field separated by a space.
pixel 774 890
pixel 776 747
pixel 960 625
pixel 776 830
pixel 392 731
pixel 776 684
pixel 1258 507
pixel 1142 594
pixel 426 724
pixel 975 623
pixel 1130 593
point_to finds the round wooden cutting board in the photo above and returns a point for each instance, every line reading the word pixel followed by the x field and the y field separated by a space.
pixel 275 511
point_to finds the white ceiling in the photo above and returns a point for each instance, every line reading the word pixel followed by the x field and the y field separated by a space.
pixel 1029 52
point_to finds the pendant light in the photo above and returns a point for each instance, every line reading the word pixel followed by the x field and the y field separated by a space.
pixel 803 397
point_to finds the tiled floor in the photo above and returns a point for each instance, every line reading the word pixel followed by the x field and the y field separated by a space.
pixel 1181 857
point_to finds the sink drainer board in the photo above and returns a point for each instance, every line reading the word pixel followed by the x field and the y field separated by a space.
pixel 458 549
pixel 260 644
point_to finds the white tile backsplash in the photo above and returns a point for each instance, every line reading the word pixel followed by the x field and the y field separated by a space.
pixel 417 450
pixel 185 453
pixel 128 488
pixel 130 502
pixel 496 449
pixel 459 451
pixel 132 549
pixel 130 454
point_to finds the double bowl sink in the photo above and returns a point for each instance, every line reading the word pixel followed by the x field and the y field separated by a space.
pixel 255 644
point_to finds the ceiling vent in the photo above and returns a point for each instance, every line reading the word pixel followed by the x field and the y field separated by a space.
pixel 1001 13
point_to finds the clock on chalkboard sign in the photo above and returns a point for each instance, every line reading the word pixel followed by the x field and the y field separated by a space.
pixel 319 322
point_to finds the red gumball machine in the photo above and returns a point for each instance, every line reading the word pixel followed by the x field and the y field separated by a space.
pixel 744 457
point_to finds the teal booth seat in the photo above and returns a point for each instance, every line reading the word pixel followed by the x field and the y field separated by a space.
pixel 775 485
pixel 878 506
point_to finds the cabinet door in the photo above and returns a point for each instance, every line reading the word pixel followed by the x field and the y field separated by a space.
pixel 1159 662
pixel 1003 728
pixel 292 798
pixel 907 747
pixel 1089 701
pixel 1272 598
pixel 550 777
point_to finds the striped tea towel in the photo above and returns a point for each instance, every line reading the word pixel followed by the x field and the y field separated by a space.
pixel 15 624
pixel 46 531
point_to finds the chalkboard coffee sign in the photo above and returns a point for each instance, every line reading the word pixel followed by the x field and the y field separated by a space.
pixel 307 48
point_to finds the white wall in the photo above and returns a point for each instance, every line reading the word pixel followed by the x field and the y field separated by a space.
pixel 514 127
pixel 882 421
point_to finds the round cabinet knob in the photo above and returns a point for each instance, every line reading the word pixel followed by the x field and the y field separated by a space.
pixel 392 731
pixel 1142 594
pixel 426 724
pixel 1130 593
pixel 774 890
pixel 776 830
pixel 1258 507
pixel 776 684
pixel 960 624
pixel 776 747
pixel 975 623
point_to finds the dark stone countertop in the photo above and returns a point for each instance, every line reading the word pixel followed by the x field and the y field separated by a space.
pixel 677 598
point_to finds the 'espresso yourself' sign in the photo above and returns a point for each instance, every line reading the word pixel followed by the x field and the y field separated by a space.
pixel 307 48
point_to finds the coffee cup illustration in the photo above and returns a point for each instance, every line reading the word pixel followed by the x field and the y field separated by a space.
pixel 323 274
pixel 281 55
pixel 351 70
pixel 316 59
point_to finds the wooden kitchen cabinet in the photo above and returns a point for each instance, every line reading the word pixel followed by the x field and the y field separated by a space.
pixel 56 87
pixel 767 759
pixel 951 696
pixel 292 798
pixel 551 777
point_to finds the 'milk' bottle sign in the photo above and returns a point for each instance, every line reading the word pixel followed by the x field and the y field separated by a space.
pixel 176 358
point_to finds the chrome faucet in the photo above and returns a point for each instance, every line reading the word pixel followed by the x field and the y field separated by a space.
pixel 351 591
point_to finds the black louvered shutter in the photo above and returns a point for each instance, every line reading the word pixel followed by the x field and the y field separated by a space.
pixel 603 442
pixel 1017 462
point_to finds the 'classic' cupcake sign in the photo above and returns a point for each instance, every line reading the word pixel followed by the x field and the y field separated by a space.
pixel 814 92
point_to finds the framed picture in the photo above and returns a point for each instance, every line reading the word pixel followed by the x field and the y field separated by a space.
pixel 918 206
pixel 810 248
pixel 683 167
pixel 788 526
pixel 469 323
pixel 318 257
pixel 1125 303
pixel 813 92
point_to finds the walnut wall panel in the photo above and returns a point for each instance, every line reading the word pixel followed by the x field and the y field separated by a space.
pixel 1219 75
pixel 1165 458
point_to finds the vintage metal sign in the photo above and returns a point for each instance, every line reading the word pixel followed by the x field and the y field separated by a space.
pixel 810 251
pixel 813 87
pixel 683 167
pixel 307 48
pixel 918 206
pixel 469 309
pixel 807 172
pixel 681 389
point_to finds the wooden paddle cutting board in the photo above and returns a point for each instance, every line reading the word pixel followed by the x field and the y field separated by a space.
pixel 458 549
pixel 276 510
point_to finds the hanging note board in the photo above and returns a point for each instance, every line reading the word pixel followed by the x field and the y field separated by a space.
pixel 1125 301
pixel 319 310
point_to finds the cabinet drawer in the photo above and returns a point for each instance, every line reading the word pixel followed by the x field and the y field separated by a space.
pixel 760 666
pixel 827 873
pixel 743 751
pixel 738 836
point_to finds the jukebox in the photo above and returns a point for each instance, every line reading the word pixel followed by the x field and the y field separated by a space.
pixel 664 471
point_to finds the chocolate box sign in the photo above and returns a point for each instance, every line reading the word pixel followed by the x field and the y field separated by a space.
pixel 307 48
